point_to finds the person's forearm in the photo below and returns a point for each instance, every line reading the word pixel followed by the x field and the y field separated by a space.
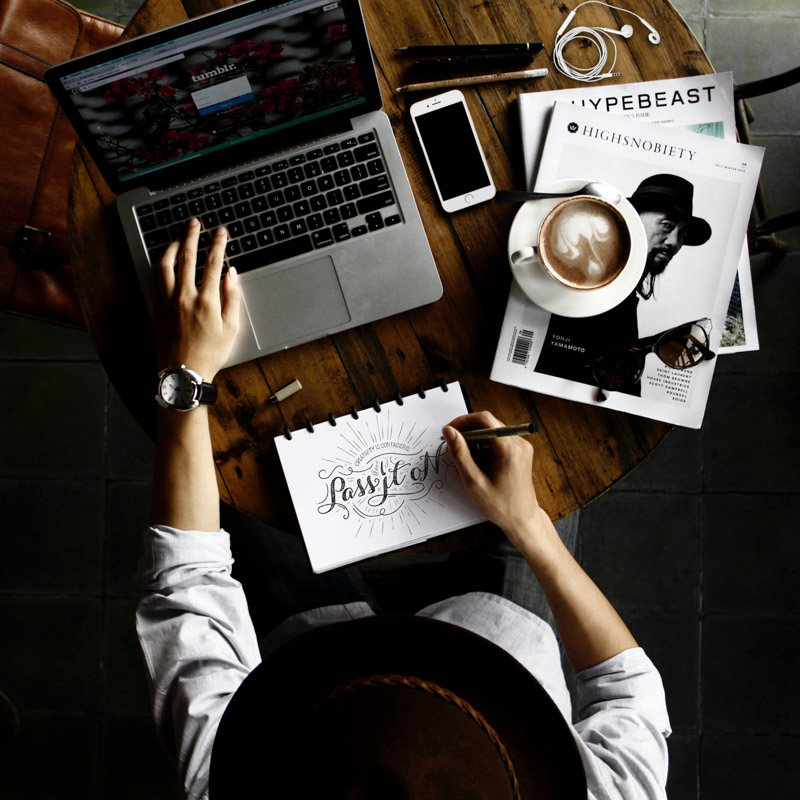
pixel 185 492
pixel 590 628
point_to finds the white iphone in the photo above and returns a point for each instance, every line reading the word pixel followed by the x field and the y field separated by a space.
pixel 452 150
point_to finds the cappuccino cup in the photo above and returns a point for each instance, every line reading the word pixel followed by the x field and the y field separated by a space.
pixel 583 243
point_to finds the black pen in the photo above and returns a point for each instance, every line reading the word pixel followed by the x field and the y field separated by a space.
pixel 494 433
pixel 447 64
pixel 478 59
pixel 464 49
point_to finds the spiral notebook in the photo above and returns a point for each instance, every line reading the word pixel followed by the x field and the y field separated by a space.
pixel 378 479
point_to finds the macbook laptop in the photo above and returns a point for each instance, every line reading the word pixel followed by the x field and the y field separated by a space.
pixel 263 117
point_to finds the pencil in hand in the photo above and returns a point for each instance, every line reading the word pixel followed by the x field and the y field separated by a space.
pixel 494 433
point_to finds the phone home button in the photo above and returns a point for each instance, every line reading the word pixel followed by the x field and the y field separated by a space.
pixel 469 198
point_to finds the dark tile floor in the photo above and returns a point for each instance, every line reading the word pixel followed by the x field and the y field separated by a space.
pixel 698 547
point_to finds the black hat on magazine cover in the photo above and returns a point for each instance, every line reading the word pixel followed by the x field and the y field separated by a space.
pixel 393 707
pixel 672 193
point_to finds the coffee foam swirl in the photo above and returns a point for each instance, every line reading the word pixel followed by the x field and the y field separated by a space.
pixel 585 243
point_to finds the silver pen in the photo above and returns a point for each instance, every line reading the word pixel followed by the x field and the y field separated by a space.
pixel 473 80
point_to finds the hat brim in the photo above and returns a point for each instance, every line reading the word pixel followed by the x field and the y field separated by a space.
pixel 257 730
pixel 699 231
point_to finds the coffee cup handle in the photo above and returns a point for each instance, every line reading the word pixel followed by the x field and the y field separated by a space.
pixel 524 254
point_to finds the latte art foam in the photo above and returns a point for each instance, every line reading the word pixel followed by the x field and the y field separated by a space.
pixel 584 243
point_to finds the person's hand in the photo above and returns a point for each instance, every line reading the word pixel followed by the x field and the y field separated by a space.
pixel 502 489
pixel 195 326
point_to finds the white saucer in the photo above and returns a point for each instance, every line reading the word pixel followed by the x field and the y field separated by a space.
pixel 553 296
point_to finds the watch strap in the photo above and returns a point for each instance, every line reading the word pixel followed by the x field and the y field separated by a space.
pixel 207 394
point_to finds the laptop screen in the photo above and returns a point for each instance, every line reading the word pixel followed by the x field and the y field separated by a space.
pixel 208 90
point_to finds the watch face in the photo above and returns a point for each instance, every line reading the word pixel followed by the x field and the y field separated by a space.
pixel 178 389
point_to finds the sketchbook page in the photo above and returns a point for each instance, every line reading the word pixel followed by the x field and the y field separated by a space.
pixel 698 103
pixel 370 485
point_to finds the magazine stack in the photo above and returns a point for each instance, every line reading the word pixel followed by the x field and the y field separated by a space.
pixel 646 344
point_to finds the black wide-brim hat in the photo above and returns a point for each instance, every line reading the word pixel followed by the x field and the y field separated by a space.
pixel 672 193
pixel 390 707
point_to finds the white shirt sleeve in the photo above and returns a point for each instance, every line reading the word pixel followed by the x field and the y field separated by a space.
pixel 195 610
pixel 622 728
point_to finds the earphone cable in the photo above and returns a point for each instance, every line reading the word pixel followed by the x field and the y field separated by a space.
pixel 596 37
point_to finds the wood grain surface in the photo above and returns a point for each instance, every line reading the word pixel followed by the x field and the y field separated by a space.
pixel 581 450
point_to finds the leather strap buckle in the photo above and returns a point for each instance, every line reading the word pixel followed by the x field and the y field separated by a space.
pixel 30 241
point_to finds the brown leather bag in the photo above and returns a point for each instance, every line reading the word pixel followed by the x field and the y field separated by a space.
pixel 37 143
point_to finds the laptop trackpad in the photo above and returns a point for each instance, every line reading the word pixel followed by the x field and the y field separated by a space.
pixel 300 300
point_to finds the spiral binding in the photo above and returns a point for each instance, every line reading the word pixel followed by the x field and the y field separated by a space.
pixel 398 398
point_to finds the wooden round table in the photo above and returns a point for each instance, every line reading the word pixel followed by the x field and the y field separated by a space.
pixel 581 449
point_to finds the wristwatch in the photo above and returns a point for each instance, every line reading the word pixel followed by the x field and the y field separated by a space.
pixel 182 389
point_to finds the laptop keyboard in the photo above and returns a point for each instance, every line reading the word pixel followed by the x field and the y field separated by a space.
pixel 291 206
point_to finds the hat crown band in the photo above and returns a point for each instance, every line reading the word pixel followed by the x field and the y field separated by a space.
pixel 431 688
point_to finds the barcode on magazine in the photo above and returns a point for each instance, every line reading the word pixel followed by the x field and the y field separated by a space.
pixel 521 348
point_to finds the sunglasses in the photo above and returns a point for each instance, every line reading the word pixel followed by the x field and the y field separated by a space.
pixel 680 348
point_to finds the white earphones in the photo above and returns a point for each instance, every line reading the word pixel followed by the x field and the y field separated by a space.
pixel 625 30
pixel 597 37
